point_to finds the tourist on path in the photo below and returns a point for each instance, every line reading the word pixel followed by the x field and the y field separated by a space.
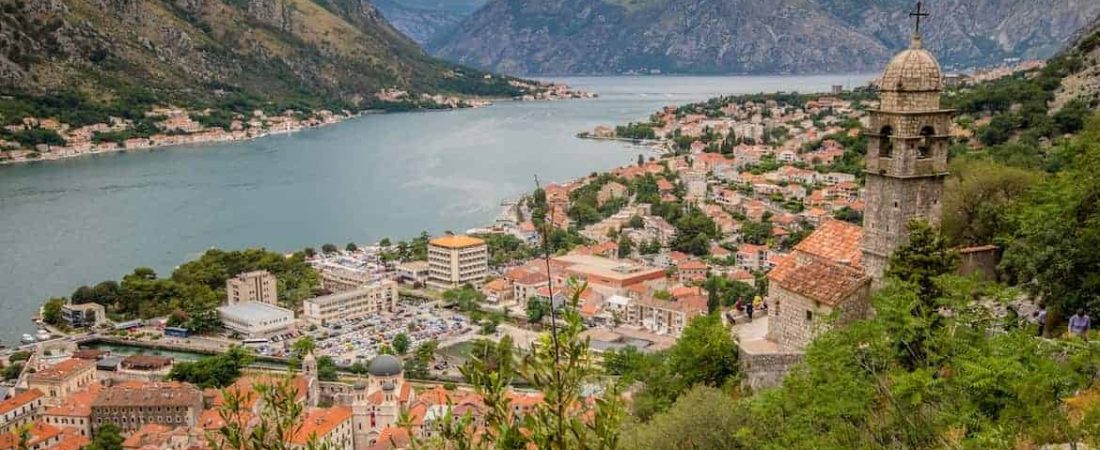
pixel 1079 324
pixel 748 310
pixel 1041 320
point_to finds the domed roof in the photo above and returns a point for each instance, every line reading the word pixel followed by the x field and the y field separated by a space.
pixel 388 386
pixel 913 70
pixel 384 366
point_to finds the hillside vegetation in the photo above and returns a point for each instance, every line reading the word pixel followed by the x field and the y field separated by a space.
pixel 115 56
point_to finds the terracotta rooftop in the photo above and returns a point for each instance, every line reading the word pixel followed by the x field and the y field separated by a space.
pixel 62 370
pixel 245 387
pixel 39 434
pixel 457 241
pixel 836 241
pixel 392 438
pixel 148 434
pixel 70 440
pixel 166 394
pixel 78 404
pixel 19 400
pixel 498 284
pixel 818 278
pixel 320 422
pixel 146 362
pixel 692 264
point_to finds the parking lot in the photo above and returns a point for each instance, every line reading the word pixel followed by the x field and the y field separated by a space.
pixel 359 340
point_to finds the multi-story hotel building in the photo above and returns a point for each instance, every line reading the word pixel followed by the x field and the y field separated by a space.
pixel 61 380
pixel 457 260
pixel 373 298
pixel 130 406
pixel 259 286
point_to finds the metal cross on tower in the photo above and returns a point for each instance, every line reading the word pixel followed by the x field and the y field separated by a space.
pixel 919 14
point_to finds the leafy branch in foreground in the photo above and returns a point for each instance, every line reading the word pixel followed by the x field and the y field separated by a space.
pixel 279 421
pixel 562 369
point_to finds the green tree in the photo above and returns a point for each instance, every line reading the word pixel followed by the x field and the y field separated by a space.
pixel 12 371
pixel 702 418
pixel 107 437
pixel 326 369
pixel 351 247
pixel 51 311
pixel 561 368
pixel 328 249
pixel 979 198
pixel 213 371
pixel 401 343
pixel 626 246
pixel 303 346
pixel 279 420
pixel 926 256
pixel 537 309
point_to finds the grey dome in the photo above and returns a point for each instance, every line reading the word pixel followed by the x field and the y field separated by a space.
pixel 384 366
pixel 388 386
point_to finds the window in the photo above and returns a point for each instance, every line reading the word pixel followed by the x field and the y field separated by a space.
pixel 886 142
pixel 924 148
pixel 809 315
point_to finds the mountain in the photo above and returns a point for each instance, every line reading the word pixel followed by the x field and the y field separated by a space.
pixel 422 20
pixel 1083 60
pixel 127 53
pixel 750 36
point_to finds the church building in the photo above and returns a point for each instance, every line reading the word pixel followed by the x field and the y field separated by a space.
pixel 836 268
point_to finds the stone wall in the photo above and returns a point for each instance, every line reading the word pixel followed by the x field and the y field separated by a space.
pixel 766 370
pixel 792 328
pixel 981 261
pixel 787 324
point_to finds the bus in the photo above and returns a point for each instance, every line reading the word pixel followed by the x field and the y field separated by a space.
pixel 177 332
pixel 255 342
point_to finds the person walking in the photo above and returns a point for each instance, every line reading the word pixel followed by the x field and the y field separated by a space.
pixel 1080 324
pixel 1041 320
pixel 748 310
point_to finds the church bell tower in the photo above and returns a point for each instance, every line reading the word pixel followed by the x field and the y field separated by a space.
pixel 906 154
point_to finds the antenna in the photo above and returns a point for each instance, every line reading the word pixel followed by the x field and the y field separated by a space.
pixel 553 314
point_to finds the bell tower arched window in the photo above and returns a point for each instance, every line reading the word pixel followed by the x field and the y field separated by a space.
pixel 924 148
pixel 886 142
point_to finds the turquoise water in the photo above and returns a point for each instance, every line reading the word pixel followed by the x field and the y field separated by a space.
pixel 83 220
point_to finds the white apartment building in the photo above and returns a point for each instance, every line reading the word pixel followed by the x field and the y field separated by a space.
pixel 457 260
pixel 259 286
pixel 373 298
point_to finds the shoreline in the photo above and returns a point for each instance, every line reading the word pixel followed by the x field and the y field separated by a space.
pixel 228 137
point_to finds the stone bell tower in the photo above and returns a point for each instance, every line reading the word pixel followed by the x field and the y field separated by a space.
pixel 906 154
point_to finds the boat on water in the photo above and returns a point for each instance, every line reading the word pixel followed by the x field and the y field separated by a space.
pixel 27 339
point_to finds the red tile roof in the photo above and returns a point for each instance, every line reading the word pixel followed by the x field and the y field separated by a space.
pixel 62 369
pixel 836 241
pixel 39 433
pixel 818 278
pixel 692 264
pixel 18 400
pixel 78 404
pixel 320 422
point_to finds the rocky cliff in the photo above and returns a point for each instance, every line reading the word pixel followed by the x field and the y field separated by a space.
pixel 422 20
pixel 289 51
pixel 1083 59
pixel 751 36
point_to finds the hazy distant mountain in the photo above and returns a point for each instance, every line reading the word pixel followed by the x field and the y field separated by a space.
pixel 421 20
pixel 751 36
